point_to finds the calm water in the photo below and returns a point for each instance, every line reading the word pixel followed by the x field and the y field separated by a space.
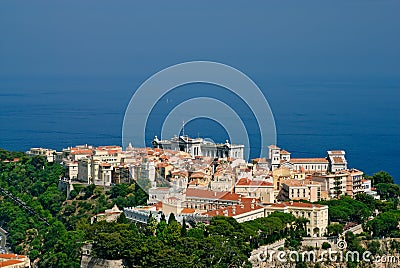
pixel 313 115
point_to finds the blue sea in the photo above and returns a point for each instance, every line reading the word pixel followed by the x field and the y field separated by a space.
pixel 312 115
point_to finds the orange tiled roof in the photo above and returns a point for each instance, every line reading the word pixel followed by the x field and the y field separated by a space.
pixel 9 263
pixel 158 205
pixel 11 256
pixel 82 151
pixel 187 211
pixel 248 182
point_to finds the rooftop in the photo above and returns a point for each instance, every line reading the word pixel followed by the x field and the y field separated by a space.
pixel 206 194
pixel 309 160
pixel 296 205
pixel 234 210
pixel 257 183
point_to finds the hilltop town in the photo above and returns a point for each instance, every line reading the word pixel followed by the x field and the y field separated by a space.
pixel 197 179
pixel 186 190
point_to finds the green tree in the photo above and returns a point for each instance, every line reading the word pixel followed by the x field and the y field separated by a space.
pixel 151 226
pixel 382 177
pixel 335 229
pixel 122 219
pixel 325 245
pixel 184 228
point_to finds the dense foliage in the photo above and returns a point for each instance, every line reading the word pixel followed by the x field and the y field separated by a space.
pixel 52 230
pixel 40 222
pixel 346 209
pixel 222 243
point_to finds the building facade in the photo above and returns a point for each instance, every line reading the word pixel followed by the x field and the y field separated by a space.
pixel 316 214
pixel 300 190
pixel 200 147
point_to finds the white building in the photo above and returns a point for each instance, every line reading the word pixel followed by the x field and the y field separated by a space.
pixel 337 160
pixel 200 147
pixel 49 154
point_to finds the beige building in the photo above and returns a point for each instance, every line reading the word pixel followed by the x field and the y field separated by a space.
pixel 335 184
pixel 97 168
pixel 72 169
pixel 315 213
pixel 280 175
pixel 354 182
pixel 262 190
pixel 300 190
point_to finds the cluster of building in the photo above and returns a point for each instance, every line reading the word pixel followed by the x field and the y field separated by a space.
pixel 196 179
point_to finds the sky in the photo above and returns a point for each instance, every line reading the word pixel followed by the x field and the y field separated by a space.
pixel 329 69
pixel 265 38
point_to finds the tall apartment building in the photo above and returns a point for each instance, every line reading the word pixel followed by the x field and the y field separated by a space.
pixel 335 184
